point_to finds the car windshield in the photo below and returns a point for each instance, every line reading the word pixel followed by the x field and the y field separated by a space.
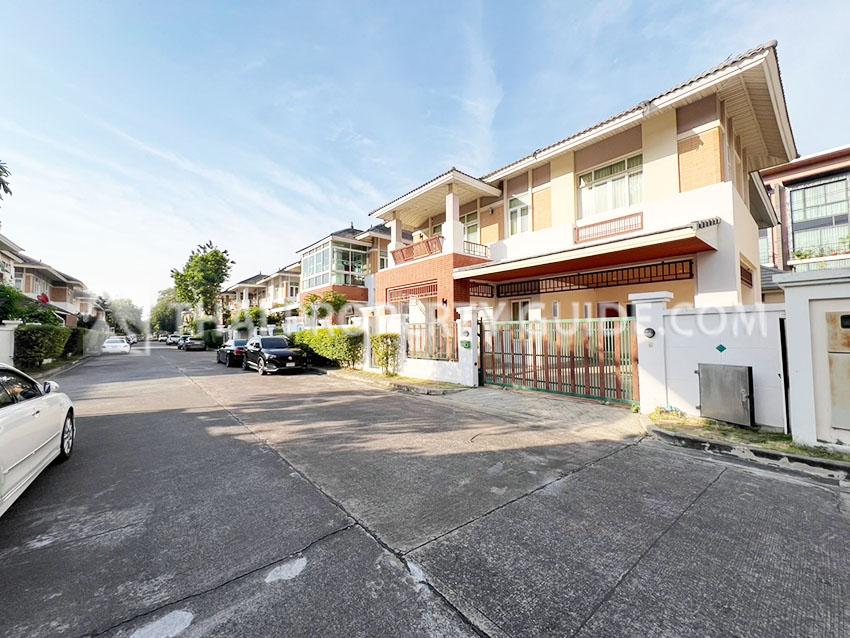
pixel 114 340
pixel 240 342
pixel 274 342
pixel 194 339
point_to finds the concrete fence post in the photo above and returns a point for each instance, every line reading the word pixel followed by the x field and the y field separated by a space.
pixel 652 362
pixel 467 333
pixel 7 341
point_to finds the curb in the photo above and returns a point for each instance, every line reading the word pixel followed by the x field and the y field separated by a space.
pixel 390 385
pixel 834 471
pixel 54 372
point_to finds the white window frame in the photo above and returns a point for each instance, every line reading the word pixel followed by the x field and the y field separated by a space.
pixel 383 259
pixel 525 202
pixel 466 222
pixel 594 183
pixel 437 229
pixel 519 302
pixel 556 310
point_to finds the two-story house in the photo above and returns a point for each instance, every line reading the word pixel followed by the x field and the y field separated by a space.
pixel 281 293
pixel 664 196
pixel 344 261
pixel 812 198
pixel 245 294
pixel 66 295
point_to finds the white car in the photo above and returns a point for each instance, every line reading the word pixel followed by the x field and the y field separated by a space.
pixel 115 345
pixel 36 426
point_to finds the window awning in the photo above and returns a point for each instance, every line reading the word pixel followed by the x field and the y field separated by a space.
pixel 697 237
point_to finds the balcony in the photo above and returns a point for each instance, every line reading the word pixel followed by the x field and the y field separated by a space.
pixel 434 246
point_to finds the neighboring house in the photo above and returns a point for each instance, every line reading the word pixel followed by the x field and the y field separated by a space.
pixel 62 292
pixel 343 261
pixel 281 290
pixel 245 294
pixel 812 197
pixel 664 196
pixel 10 256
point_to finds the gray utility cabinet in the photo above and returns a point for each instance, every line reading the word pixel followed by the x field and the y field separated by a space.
pixel 726 393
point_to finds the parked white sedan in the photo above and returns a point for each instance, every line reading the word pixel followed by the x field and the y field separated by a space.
pixel 115 345
pixel 36 426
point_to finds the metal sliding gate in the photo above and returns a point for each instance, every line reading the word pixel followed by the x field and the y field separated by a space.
pixel 593 358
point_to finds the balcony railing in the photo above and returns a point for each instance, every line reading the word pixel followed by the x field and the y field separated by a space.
pixel 609 228
pixel 432 246
pixel 476 250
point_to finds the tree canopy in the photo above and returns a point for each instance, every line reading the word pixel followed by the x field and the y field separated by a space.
pixel 200 280
pixel 165 315
pixel 122 314
pixel 4 181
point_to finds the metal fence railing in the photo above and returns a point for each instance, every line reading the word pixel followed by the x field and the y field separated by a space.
pixel 433 340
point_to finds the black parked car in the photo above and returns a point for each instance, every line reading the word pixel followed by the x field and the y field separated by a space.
pixel 270 354
pixel 194 343
pixel 230 352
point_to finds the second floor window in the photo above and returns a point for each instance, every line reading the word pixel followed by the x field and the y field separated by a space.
pixel 470 227
pixel 436 229
pixel 612 187
pixel 293 289
pixel 382 260
pixel 765 247
pixel 819 218
pixel 519 215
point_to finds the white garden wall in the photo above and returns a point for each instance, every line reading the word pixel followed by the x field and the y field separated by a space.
pixel 750 336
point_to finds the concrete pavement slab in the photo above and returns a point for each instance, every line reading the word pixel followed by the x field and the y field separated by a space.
pixel 758 555
pixel 345 585
pixel 410 467
pixel 539 566
pixel 152 506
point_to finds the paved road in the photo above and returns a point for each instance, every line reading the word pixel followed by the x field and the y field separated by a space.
pixel 208 501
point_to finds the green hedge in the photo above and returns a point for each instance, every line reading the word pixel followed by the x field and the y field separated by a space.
pixel 343 346
pixel 213 338
pixel 34 344
pixel 385 352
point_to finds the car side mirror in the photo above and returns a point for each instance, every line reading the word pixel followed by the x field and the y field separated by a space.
pixel 50 386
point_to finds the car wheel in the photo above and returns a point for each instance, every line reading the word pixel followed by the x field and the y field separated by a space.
pixel 261 366
pixel 227 360
pixel 244 362
pixel 69 433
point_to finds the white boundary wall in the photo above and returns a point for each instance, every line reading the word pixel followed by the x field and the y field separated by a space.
pixel 751 337
pixel 682 339
pixel 464 371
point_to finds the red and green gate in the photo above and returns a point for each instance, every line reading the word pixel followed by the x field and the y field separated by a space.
pixel 592 358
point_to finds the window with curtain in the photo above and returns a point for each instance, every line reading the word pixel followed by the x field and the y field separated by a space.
pixel 612 187
pixel 519 215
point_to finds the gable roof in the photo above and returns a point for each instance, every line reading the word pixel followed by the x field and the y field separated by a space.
pixel 29 262
pixel 646 105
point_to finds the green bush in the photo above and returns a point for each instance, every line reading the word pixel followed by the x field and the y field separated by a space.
pixel 34 344
pixel 204 324
pixel 343 346
pixel 213 338
pixel 385 352
pixel 75 345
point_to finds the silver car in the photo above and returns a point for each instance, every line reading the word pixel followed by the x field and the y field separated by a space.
pixel 36 427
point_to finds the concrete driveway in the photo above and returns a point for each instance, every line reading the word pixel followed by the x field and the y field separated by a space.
pixel 210 501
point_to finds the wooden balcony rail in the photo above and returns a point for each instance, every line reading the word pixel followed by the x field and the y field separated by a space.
pixel 476 250
pixel 609 228
pixel 432 246
pixel 432 341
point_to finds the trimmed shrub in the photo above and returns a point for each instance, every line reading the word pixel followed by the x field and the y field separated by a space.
pixel 34 344
pixel 75 345
pixel 342 346
pixel 385 352
pixel 213 338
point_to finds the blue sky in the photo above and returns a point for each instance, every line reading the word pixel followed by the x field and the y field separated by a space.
pixel 135 131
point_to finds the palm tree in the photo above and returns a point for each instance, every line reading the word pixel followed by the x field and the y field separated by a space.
pixel 4 184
